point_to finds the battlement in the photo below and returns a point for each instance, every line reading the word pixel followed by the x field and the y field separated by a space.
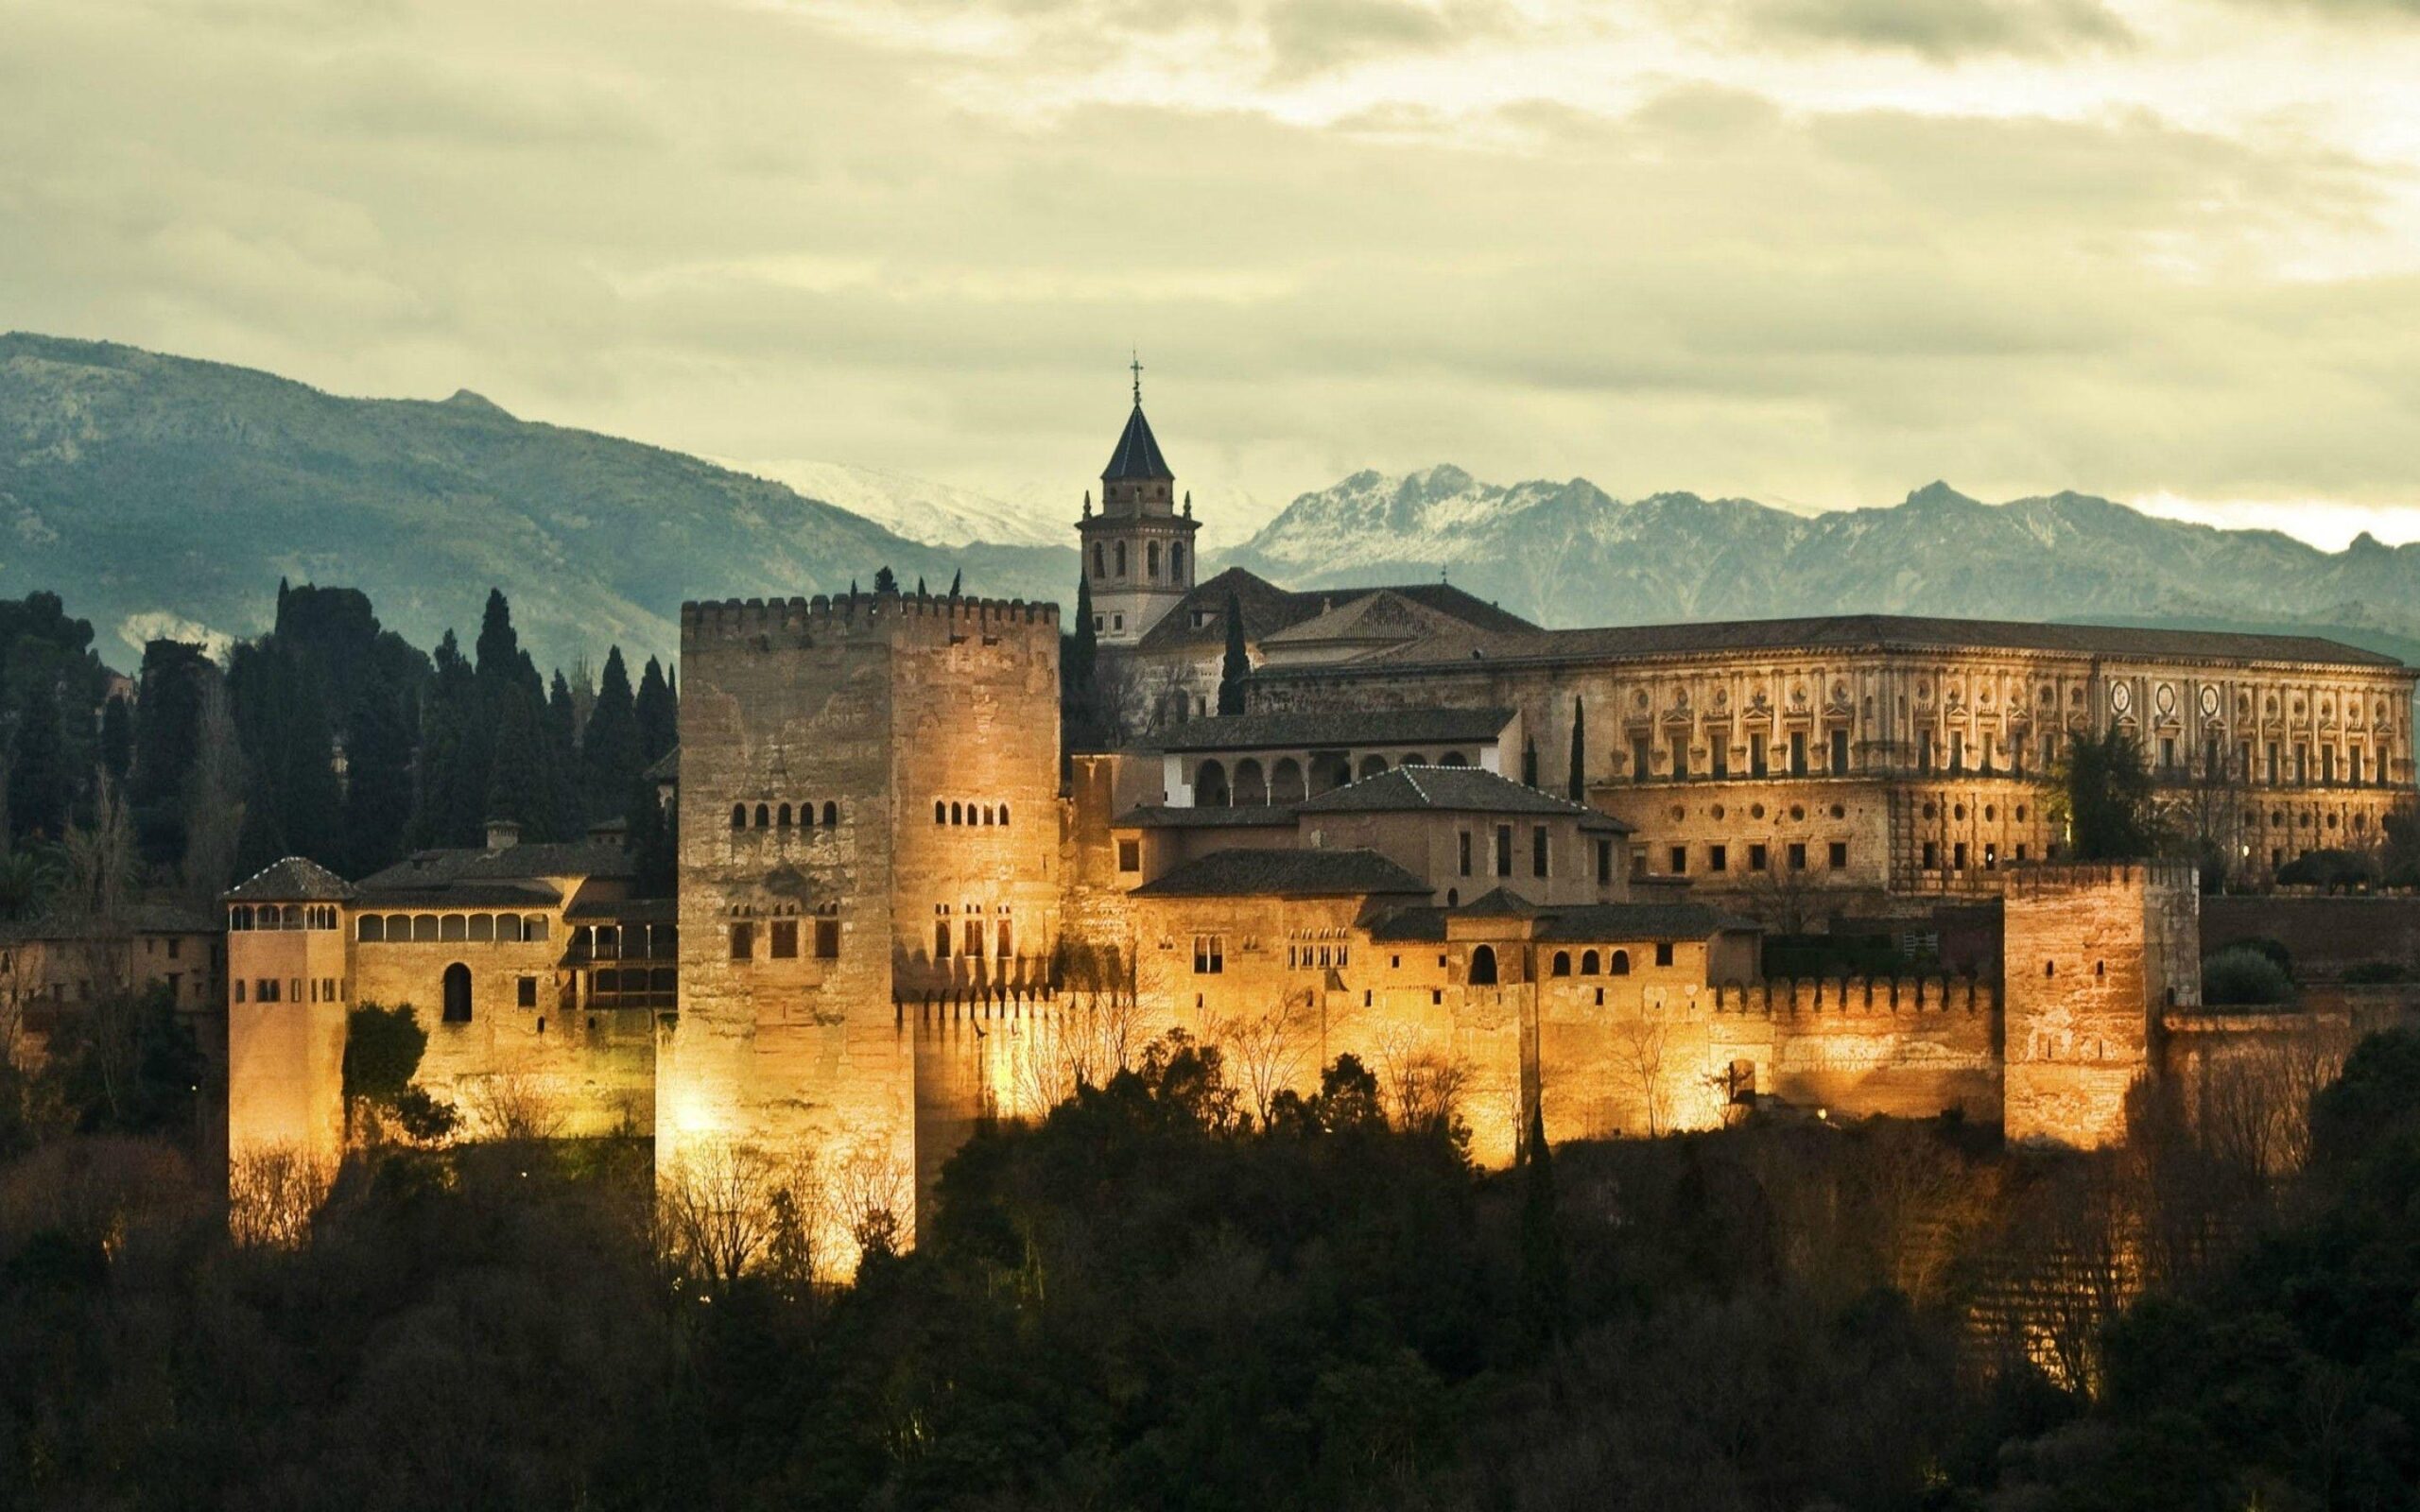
pixel 2058 879
pixel 870 616
pixel 1806 997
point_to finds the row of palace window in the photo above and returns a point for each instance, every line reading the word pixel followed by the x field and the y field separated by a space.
pixel 626 942
pixel 2273 763
pixel 1283 781
pixel 1112 561
pixel 291 990
pixel 782 938
pixel 282 916
pixel 978 813
pixel 414 929
pixel 1616 963
pixel 1759 760
pixel 1541 854
pixel 1759 857
pixel 781 817
pixel 970 939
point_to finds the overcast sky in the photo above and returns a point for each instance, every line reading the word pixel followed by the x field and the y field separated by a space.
pixel 1812 251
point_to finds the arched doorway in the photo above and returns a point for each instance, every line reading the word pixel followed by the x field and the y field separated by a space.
pixel 457 993
pixel 1285 782
pixel 1483 966
pixel 1210 785
pixel 1251 788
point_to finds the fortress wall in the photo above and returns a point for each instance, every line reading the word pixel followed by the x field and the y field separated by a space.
pixel 2325 934
pixel 2093 955
pixel 285 1059
pixel 882 705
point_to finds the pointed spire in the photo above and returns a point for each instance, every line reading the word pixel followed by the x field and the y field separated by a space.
pixel 1137 365
pixel 1189 504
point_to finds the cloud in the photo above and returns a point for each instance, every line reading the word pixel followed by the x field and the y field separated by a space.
pixel 1942 30
pixel 922 240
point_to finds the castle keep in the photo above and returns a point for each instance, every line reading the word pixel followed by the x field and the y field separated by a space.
pixel 1514 870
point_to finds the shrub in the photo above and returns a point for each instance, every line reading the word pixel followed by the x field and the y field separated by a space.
pixel 2242 976
pixel 2273 948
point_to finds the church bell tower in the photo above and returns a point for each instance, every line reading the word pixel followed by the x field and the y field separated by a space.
pixel 1137 548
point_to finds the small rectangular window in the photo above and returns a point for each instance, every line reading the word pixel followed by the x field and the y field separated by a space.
pixel 239 989
pixel 1129 855
pixel 1755 755
pixel 1663 953
pixel 1680 860
pixel 1717 858
pixel 973 933
pixel 940 940
pixel 1840 855
pixel 1758 857
pixel 1718 758
pixel 1932 856
pixel 1604 862
pixel 1209 955
pixel 1798 855
pixel 1840 762
pixel 1639 766
pixel 1680 758
pixel 1537 850
pixel 827 939
pixel 525 991
pixel 1798 753
pixel 1957 856
pixel 1504 850
pixel 1003 941
pixel 1464 839
pixel 743 941
pixel 784 946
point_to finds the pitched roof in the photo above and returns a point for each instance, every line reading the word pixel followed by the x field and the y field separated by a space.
pixel 1370 727
pixel 1284 874
pixel 1872 632
pixel 665 769
pixel 1457 790
pixel 1380 618
pixel 1138 453
pixel 1588 923
pixel 294 880
pixel 1269 609
pixel 1161 816
pixel 135 919
pixel 506 875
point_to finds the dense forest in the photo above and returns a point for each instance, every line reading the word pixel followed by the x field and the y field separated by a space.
pixel 1150 1298
pixel 329 737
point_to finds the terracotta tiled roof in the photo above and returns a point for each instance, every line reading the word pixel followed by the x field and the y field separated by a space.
pixel 502 875
pixel 1161 816
pixel 1284 874
pixel 294 880
pixel 1457 790
pixel 1269 609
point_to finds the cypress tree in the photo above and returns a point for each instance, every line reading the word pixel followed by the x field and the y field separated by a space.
pixel 38 786
pixel 1080 674
pixel 560 725
pixel 498 649
pixel 118 739
pixel 516 777
pixel 378 781
pixel 920 586
pixel 651 841
pixel 167 735
pixel 1545 1278
pixel 659 712
pixel 884 582
pixel 1238 665
pixel 1577 791
pixel 609 748
pixel 451 783
pixel 957 581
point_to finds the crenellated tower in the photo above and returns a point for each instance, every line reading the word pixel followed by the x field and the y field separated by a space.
pixel 1138 546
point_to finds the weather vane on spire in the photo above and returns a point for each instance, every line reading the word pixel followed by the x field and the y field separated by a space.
pixel 1137 365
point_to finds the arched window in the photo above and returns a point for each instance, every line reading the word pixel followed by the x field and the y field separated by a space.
pixel 424 926
pixel 457 993
pixel 1176 564
pixel 1563 963
pixel 482 927
pixel 293 916
pixel 781 817
pixel 508 928
pixel 1483 966
pixel 452 927
pixel 763 816
pixel 831 812
pixel 940 812
pixel 987 813
pixel 1151 560
pixel 957 813
pixel 1415 759
pixel 1120 559
pixel 1329 772
pixel 1004 814
pixel 371 927
pixel 1620 965
pixel 1251 788
pixel 1453 758
pixel 1100 567
pixel 740 816
pixel 1210 785
pixel 1589 965
pixel 398 927
pixel 1285 782
pixel 1373 766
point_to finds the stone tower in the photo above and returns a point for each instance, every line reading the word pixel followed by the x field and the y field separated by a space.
pixel 1138 548
pixel 868 816
pixel 288 989
pixel 2093 955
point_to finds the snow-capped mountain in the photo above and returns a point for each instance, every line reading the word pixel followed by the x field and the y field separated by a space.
pixel 1570 553
pixel 937 514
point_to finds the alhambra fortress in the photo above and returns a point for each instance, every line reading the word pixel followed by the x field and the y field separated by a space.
pixel 1520 868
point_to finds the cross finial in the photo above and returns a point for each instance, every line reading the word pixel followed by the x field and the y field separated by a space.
pixel 1136 366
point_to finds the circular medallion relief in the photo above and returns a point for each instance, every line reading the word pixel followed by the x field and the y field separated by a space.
pixel 2121 696
pixel 2209 701
pixel 2165 700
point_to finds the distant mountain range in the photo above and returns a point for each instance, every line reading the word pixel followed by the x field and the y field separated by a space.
pixel 160 494
pixel 1569 553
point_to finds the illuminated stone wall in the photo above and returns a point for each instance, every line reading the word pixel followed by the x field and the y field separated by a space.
pixel 285 1059
pixel 930 724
